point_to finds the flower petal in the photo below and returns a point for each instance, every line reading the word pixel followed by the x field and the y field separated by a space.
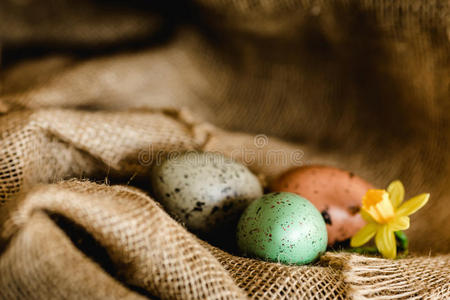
pixel 365 215
pixel 385 241
pixel 412 205
pixel 364 235
pixel 377 204
pixel 396 192
pixel 399 223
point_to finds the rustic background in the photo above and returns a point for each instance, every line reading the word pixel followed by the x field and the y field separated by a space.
pixel 362 85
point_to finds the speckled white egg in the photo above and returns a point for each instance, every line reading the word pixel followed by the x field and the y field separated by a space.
pixel 205 191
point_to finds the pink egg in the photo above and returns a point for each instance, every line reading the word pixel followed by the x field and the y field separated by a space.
pixel 336 193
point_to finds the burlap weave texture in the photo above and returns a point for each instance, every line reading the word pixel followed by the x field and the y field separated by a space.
pixel 98 91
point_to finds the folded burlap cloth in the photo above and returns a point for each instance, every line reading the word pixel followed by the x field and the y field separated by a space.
pixel 84 240
pixel 93 93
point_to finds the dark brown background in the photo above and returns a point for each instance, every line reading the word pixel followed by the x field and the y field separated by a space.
pixel 364 84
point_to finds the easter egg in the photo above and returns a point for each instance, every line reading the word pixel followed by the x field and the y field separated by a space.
pixel 282 227
pixel 205 191
pixel 336 193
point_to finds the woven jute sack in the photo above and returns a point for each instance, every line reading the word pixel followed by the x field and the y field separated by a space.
pixel 79 239
pixel 361 85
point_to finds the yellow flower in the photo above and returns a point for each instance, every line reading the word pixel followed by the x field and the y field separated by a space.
pixel 384 213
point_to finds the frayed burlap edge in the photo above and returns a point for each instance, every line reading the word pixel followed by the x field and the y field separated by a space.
pixel 416 277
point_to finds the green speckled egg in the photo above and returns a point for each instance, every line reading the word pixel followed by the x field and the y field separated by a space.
pixel 282 227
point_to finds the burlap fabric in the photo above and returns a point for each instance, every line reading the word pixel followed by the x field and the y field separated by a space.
pixel 361 85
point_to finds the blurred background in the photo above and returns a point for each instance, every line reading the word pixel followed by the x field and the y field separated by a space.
pixel 363 84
